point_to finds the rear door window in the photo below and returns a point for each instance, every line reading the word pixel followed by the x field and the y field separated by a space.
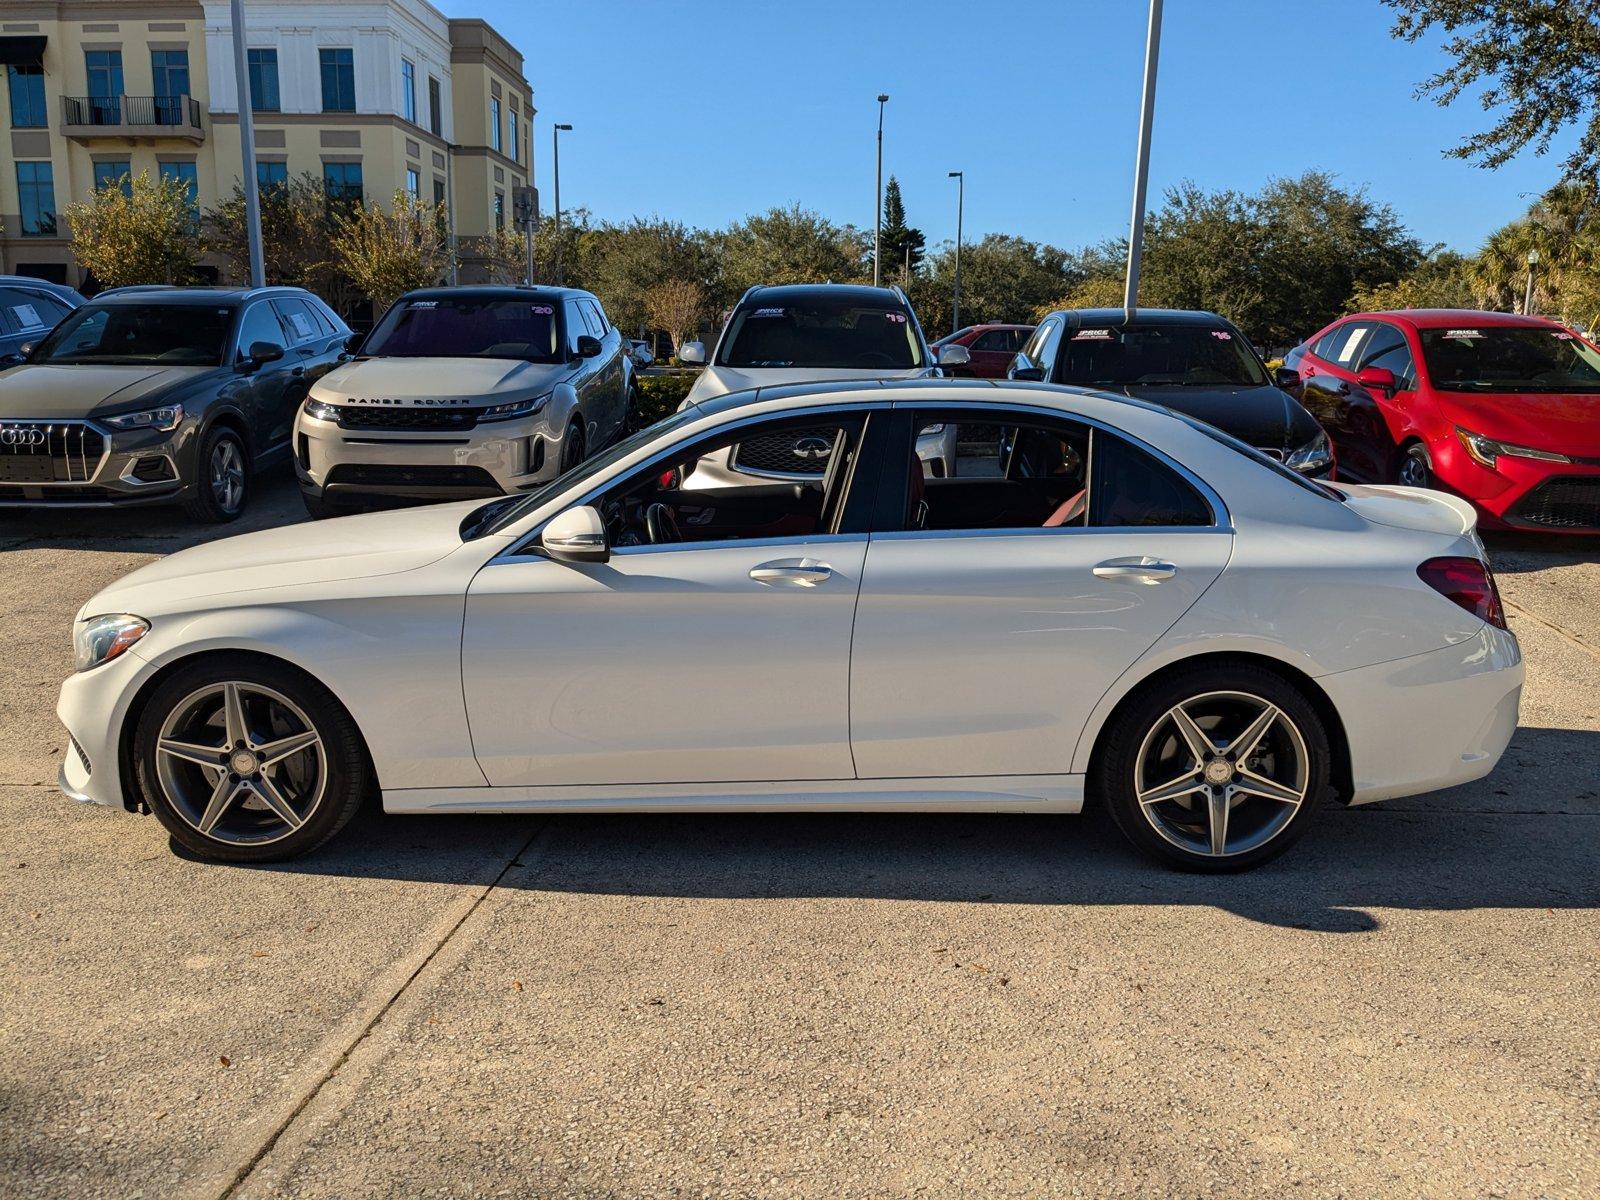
pixel 30 312
pixel 298 320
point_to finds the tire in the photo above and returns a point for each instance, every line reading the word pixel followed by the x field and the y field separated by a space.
pixel 574 447
pixel 631 423
pixel 1415 468
pixel 1147 753
pixel 208 501
pixel 321 784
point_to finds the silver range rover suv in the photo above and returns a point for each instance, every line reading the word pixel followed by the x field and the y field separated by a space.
pixel 463 392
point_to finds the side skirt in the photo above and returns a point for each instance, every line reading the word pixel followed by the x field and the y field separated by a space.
pixel 994 793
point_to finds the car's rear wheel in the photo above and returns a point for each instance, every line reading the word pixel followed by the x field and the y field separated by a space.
pixel 222 478
pixel 247 760
pixel 1416 467
pixel 1215 769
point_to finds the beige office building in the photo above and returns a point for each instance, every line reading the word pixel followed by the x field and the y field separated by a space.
pixel 373 96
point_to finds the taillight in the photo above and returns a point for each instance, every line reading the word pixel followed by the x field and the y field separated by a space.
pixel 1469 583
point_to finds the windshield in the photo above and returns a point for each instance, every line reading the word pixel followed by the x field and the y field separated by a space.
pixel 467 327
pixel 824 332
pixel 1158 356
pixel 1510 359
pixel 168 335
pixel 498 514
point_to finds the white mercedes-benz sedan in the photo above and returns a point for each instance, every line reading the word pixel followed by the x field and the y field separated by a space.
pixel 1097 598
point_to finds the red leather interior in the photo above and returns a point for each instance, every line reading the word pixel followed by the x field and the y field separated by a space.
pixel 1071 510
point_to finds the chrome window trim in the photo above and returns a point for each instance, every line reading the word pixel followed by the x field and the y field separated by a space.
pixel 726 543
pixel 105 452
pixel 902 535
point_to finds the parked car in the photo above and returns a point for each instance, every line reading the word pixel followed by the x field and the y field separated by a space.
pixel 1192 362
pixel 814 332
pixel 170 396
pixel 1140 609
pixel 29 309
pixel 639 350
pixel 461 392
pixel 991 347
pixel 1501 409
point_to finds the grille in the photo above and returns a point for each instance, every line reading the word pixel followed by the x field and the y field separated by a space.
pixel 1565 502
pixel 49 451
pixel 401 419
pixel 791 452
pixel 88 767
pixel 399 475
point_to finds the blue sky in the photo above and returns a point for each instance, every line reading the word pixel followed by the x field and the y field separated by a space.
pixel 707 111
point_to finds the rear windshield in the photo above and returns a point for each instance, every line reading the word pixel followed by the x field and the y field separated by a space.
pixel 467 327
pixel 170 335
pixel 1158 356
pixel 1267 461
pixel 823 332
pixel 1505 359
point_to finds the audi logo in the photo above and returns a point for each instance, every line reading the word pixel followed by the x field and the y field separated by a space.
pixel 812 447
pixel 22 437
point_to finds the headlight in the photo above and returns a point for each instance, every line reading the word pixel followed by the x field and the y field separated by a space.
pixel 321 411
pixel 167 418
pixel 1314 456
pixel 514 409
pixel 1485 450
pixel 97 640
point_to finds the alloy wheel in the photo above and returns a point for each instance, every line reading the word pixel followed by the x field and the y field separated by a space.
pixel 1221 773
pixel 227 475
pixel 241 763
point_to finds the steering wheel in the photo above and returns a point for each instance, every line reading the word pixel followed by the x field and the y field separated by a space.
pixel 661 524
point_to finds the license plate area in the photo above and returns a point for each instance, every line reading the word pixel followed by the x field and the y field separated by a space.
pixel 17 469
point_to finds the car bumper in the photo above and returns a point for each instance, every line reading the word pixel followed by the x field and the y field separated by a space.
pixel 1523 493
pixel 1429 721
pixel 493 460
pixel 93 706
pixel 145 466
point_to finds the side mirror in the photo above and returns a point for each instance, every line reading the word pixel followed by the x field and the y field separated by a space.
pixel 1026 370
pixel 265 352
pixel 353 342
pixel 576 535
pixel 1285 377
pixel 588 347
pixel 1378 379
pixel 953 355
pixel 693 353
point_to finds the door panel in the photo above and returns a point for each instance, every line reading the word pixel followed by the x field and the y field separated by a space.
pixel 665 665
pixel 984 654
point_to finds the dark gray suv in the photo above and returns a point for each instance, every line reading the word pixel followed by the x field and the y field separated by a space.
pixel 169 395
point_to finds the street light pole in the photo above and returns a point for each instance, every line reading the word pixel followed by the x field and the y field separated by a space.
pixel 555 168
pixel 247 146
pixel 877 204
pixel 1527 297
pixel 961 204
pixel 1141 178
pixel 450 209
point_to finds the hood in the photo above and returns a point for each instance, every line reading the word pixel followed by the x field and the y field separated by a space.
pixel 466 381
pixel 1567 423
pixel 1264 417
pixel 1411 508
pixel 715 381
pixel 82 390
pixel 357 547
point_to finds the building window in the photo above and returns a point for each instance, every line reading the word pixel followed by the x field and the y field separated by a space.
pixel 27 97
pixel 113 174
pixel 408 90
pixel 516 139
pixel 435 108
pixel 343 182
pixel 338 79
pixel 104 68
pixel 36 191
pixel 185 173
pixel 272 175
pixel 495 137
pixel 263 68
pixel 499 210
pixel 414 183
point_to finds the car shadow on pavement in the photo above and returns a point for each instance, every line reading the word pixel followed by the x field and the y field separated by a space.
pixel 1469 848
pixel 1521 553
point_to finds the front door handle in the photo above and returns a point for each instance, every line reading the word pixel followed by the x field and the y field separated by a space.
pixel 802 572
pixel 1143 569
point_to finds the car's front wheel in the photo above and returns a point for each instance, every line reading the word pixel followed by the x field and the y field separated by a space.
pixel 1416 467
pixel 248 760
pixel 1215 769
pixel 573 447
pixel 222 477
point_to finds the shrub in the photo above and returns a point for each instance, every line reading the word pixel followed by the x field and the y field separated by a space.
pixel 659 396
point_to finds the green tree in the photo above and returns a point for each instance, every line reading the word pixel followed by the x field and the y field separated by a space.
pixel 624 262
pixel 789 245
pixel 297 234
pixel 151 234
pixel 575 229
pixel 903 246
pixel 386 252
pixel 503 255
pixel 1537 63
pixel 677 306
pixel 1003 278
pixel 1444 279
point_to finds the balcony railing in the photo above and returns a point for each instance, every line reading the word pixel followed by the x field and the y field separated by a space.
pixel 132 116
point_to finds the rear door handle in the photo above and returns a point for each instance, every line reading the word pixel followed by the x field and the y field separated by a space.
pixel 1142 569
pixel 801 572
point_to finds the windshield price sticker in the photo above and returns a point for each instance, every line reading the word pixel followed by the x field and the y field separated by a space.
pixel 1092 335
pixel 1561 335
pixel 897 318
pixel 543 310
pixel 424 304
pixel 1465 335
pixel 1222 335
pixel 767 312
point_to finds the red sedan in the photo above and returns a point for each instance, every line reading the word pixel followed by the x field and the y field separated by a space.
pixel 992 348
pixel 1501 409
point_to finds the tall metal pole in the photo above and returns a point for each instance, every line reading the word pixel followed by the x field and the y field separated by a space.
pixel 450 209
pixel 555 168
pixel 961 204
pixel 1527 296
pixel 1152 53
pixel 247 146
pixel 877 204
